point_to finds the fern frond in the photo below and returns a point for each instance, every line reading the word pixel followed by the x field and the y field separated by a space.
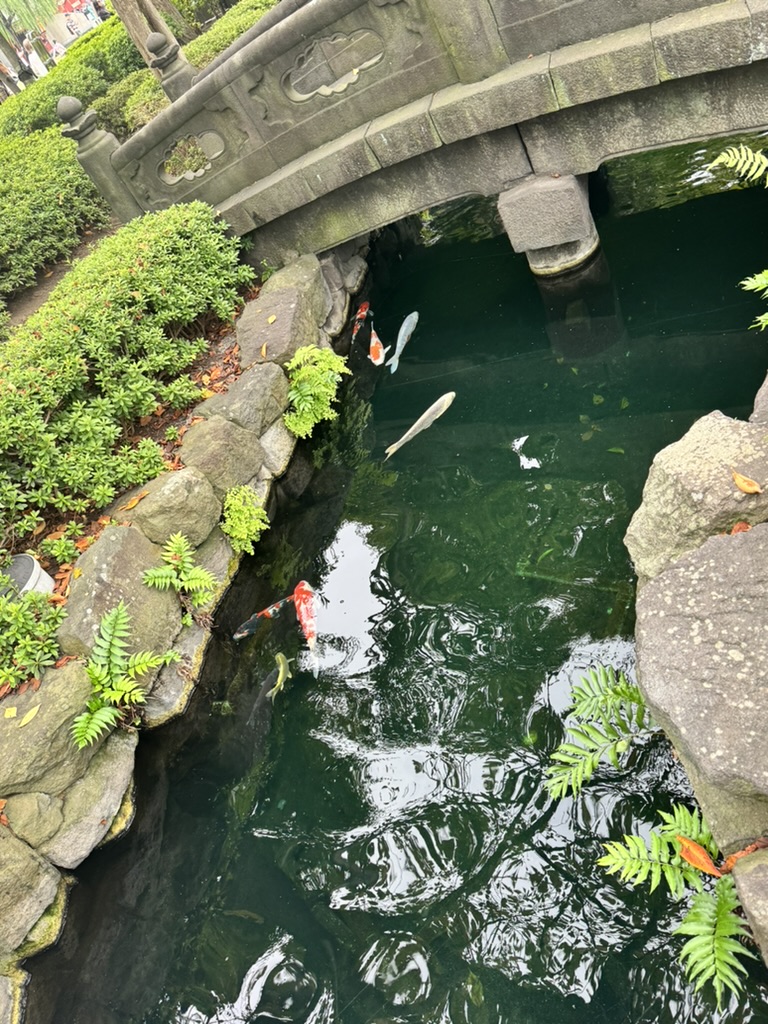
pixel 125 691
pixel 749 164
pixel 576 760
pixel 634 862
pixel 711 954
pixel 162 576
pixel 109 648
pixel 601 691
pixel 90 725
pixel 691 824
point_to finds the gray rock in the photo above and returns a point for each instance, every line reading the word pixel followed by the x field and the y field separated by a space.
pixel 177 502
pixel 337 317
pixel 34 817
pixel 28 885
pixel 760 407
pixel 750 874
pixel 41 757
pixel 279 445
pixel 299 300
pixel 254 401
pixel 112 571
pixel 228 455
pixel 690 494
pixel 91 804
pixel 702 644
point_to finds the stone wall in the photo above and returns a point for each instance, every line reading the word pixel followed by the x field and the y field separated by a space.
pixel 61 802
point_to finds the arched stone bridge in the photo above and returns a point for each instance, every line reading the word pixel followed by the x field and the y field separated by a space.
pixel 331 118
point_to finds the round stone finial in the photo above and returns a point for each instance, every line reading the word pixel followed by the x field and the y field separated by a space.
pixel 156 41
pixel 68 108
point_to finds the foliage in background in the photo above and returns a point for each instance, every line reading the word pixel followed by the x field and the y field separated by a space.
pixel 193 584
pixel 609 713
pixel 314 375
pixel 107 49
pixel 35 108
pixel 46 200
pixel 28 624
pixel 114 676
pixel 110 345
pixel 225 31
pixel 26 14
pixel 750 165
pixel 244 518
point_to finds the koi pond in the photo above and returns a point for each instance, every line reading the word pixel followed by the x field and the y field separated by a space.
pixel 376 844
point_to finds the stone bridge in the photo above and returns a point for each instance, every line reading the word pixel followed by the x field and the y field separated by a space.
pixel 330 118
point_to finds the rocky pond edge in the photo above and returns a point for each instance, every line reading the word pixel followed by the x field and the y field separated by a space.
pixel 61 802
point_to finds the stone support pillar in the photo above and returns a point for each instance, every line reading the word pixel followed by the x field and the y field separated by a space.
pixel 176 73
pixel 548 218
pixel 94 150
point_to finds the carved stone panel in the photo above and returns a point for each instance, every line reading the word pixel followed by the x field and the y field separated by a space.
pixel 329 65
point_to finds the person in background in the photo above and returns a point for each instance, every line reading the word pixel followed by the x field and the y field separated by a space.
pixel 101 10
pixel 39 70
pixel 58 50
pixel 71 26
pixel 9 79
pixel 90 15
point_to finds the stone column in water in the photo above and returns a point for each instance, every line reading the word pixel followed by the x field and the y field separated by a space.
pixel 548 218
pixel 94 149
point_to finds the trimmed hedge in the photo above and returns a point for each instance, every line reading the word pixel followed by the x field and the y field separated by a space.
pixel 111 344
pixel 46 199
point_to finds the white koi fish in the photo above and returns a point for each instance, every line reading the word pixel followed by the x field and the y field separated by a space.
pixel 407 328
pixel 425 420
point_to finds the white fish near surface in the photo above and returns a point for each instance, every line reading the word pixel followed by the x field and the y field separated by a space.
pixel 425 420
pixel 407 328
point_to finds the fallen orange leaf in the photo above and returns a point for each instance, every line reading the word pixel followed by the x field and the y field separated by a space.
pixel 133 502
pixel 34 682
pixel 2 804
pixel 4 819
pixel 741 527
pixel 697 856
pixel 745 484
pixel 728 863
pixel 84 542
pixel 57 599
pixel 64 659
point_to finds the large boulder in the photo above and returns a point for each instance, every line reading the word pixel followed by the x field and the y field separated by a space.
pixel 227 454
pixel 254 401
pixel 702 647
pixel 183 501
pixel 690 493
pixel 40 756
pixel 112 571
pixel 28 885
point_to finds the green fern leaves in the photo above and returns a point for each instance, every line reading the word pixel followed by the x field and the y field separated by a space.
pixel 313 376
pixel 635 862
pixel 114 677
pixel 748 164
pixel 610 712
pixel 193 584
pixel 715 927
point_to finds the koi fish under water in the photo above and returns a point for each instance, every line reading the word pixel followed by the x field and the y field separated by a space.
pixel 304 599
pixel 376 351
pixel 407 328
pixel 248 628
pixel 364 310
pixel 283 673
pixel 425 420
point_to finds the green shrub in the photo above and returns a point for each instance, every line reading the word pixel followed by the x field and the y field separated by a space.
pixel 147 100
pixel 35 108
pixel 244 518
pixel 46 199
pixel 313 376
pixel 112 107
pixel 108 49
pixel 111 343
pixel 225 31
pixel 114 677
pixel 28 624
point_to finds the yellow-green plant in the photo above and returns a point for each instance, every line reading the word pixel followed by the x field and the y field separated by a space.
pixel 314 375
pixel 244 518
pixel 193 584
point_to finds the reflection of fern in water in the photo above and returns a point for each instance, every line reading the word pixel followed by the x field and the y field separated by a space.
pixel 342 442
pixel 611 713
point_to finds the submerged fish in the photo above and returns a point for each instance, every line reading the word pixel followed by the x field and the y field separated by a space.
pixel 407 328
pixel 376 351
pixel 363 311
pixel 425 420
pixel 304 599
pixel 283 673
pixel 248 628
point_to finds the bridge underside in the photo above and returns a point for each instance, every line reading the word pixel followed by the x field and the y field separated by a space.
pixel 571 141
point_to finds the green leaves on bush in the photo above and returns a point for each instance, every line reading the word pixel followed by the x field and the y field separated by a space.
pixel 226 30
pixel 28 624
pixel 110 344
pixel 46 199
pixel 244 518
pixel 193 584
pixel 609 713
pixel 313 377
pixel 114 677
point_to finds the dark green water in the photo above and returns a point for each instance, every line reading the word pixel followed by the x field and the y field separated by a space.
pixel 378 846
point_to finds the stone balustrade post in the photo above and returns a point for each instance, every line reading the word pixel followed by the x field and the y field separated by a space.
pixel 548 218
pixel 94 150
pixel 176 73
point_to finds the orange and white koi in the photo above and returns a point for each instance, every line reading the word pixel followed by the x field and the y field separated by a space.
pixel 364 310
pixel 248 628
pixel 304 600
pixel 376 351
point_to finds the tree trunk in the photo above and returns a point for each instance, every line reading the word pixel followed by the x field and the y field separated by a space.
pixel 142 17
